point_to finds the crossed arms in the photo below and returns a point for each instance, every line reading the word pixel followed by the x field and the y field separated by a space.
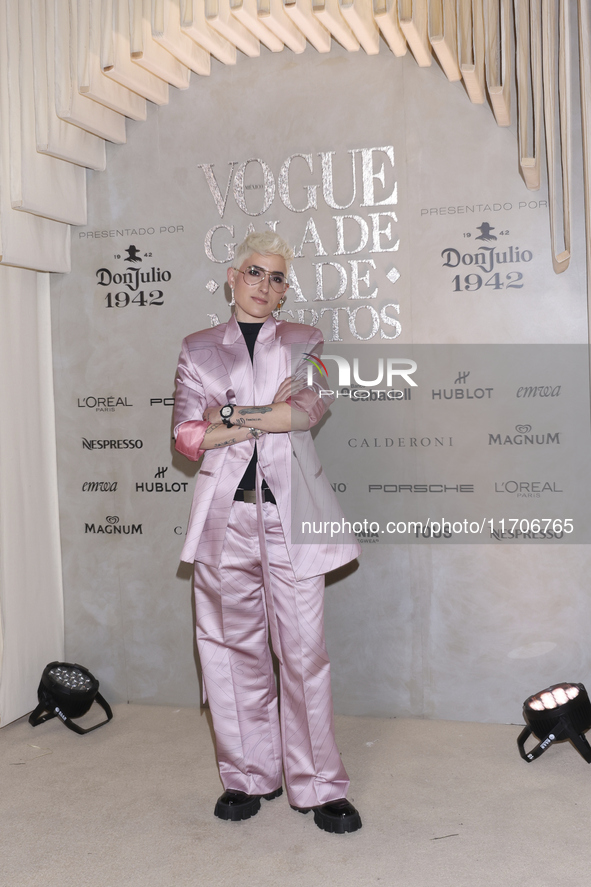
pixel 272 418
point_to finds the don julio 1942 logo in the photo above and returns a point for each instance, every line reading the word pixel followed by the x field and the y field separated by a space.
pixel 493 266
pixel 141 284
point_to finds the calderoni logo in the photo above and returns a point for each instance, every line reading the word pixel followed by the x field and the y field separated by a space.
pixel 524 437
pixel 112 527
pixel 103 404
pixel 124 444
pixel 399 442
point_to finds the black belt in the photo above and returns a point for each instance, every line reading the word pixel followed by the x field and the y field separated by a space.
pixel 251 496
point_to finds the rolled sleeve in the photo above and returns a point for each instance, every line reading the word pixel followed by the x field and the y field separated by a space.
pixel 189 405
pixel 309 401
pixel 189 437
pixel 189 398
pixel 314 399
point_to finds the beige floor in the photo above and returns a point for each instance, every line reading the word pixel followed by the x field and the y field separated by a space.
pixel 444 804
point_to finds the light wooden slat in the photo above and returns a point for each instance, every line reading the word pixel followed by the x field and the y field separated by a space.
pixel 302 15
pixel 471 48
pixel 329 14
pixel 413 16
pixel 528 66
pixel 219 16
pixel 70 105
pixel 116 59
pixel 385 13
pixel 39 184
pixel 557 118
pixel 497 24
pixel 195 26
pixel 246 12
pixel 92 82
pixel 359 16
pixel 54 135
pixel 443 36
pixel 272 13
pixel 584 16
pixel 26 240
pixel 275 18
pixel 149 54
pixel 166 31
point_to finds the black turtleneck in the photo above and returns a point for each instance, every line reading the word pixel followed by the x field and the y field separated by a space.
pixel 250 332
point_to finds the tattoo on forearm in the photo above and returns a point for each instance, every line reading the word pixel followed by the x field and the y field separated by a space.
pixel 225 443
pixel 212 427
pixel 249 411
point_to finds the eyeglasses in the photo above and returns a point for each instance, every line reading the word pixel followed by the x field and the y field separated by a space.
pixel 254 275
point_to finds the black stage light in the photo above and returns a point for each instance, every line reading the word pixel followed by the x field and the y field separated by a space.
pixel 66 691
pixel 560 712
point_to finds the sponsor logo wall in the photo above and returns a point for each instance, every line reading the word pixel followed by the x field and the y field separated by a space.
pixel 440 455
pixel 399 239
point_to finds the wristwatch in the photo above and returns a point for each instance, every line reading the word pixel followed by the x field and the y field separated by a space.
pixel 226 413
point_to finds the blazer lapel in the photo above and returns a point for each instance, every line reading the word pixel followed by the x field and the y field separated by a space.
pixel 267 362
pixel 236 359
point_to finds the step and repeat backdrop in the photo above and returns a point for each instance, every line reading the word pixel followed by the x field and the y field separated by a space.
pixel 458 443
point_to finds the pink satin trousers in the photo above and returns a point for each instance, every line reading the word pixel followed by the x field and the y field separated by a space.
pixel 252 592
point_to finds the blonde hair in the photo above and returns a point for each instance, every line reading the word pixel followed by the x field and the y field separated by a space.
pixel 265 243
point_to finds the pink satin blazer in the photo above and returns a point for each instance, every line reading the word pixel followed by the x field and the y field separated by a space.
pixel 214 369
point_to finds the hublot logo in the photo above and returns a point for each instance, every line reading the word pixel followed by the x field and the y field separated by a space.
pixel 461 393
pixel 160 486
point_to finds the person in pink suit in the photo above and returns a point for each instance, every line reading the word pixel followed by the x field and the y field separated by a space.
pixel 246 400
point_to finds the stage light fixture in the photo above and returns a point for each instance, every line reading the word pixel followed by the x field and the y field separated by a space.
pixel 562 711
pixel 67 690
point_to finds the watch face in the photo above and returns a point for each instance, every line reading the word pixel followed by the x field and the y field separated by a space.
pixel 226 411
